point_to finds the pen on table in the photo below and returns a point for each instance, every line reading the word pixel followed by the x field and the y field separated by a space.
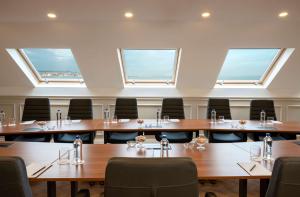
pixel 44 168
pixel 39 170
pixel 253 167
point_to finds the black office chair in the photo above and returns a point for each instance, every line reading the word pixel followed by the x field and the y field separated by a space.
pixel 173 107
pixel 222 108
pixel 34 109
pixel 14 180
pixel 285 180
pixel 126 108
pixel 153 177
pixel 79 109
pixel 256 106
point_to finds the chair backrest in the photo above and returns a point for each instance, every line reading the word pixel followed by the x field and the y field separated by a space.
pixel 13 177
pixel 173 107
pixel 285 180
pixel 256 106
pixel 221 106
pixel 151 177
pixel 36 109
pixel 80 109
pixel 126 108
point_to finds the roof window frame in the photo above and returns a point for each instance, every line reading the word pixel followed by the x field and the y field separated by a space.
pixel 37 75
pixel 129 82
pixel 263 79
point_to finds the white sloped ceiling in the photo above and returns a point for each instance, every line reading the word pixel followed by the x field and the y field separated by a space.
pixel 95 29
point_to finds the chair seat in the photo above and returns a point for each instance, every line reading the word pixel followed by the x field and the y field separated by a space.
pixel 87 138
pixel 30 138
pixel 116 138
pixel 177 137
pixel 225 137
pixel 288 136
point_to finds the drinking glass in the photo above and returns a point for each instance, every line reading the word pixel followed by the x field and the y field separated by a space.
pixel 115 119
pixel 131 143
pixel 166 118
pixel 42 124
pixel 234 125
pixel 64 156
pixel 12 121
pixel 201 141
pixel 221 119
pixel 255 152
pixel 270 120
pixel 106 115
pixel 68 120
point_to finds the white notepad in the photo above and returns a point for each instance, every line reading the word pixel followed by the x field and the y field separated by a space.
pixel 35 169
pixel 154 146
pixel 124 120
pixel 258 170
pixel 174 120
pixel 28 122
pixel 76 121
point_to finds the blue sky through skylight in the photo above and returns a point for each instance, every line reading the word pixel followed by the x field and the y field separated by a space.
pixel 247 64
pixel 53 63
pixel 149 64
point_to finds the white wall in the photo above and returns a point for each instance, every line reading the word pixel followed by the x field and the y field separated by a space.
pixel 95 30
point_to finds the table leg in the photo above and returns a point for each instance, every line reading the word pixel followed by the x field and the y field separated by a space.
pixel 264 183
pixel 74 188
pixel 243 188
pixel 51 189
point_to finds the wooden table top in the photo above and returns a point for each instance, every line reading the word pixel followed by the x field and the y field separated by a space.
pixel 150 125
pixel 218 161
pixel 43 153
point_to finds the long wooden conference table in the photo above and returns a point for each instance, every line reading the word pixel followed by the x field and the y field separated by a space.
pixel 217 162
pixel 149 125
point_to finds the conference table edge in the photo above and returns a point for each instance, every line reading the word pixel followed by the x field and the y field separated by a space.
pixel 189 125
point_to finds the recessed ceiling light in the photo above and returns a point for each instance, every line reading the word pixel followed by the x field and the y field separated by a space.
pixel 51 15
pixel 283 14
pixel 205 15
pixel 128 14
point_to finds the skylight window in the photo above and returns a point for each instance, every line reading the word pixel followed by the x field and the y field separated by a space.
pixel 149 65
pixel 52 64
pixel 249 66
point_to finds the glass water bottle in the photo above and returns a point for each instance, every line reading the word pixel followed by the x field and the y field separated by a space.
pixel 213 115
pixel 106 115
pixel 164 146
pixel 262 117
pixel 78 154
pixel 267 149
